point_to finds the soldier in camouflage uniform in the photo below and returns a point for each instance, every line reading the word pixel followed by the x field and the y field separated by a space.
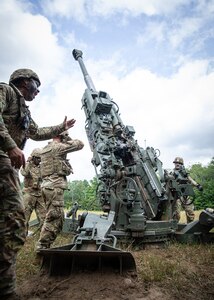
pixel 16 126
pixel 54 169
pixel 184 202
pixel 32 193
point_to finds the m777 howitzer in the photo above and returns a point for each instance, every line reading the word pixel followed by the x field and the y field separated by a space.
pixel 135 193
pixel 131 179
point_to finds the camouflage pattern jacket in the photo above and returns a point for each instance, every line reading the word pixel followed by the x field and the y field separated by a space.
pixel 32 179
pixel 16 124
pixel 54 164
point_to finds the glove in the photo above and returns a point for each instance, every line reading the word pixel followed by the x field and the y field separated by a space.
pixel 200 187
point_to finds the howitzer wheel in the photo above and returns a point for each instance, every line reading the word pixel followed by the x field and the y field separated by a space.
pixel 126 190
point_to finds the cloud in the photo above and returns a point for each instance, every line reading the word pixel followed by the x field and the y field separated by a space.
pixel 173 113
pixel 81 9
pixel 28 40
pixel 65 8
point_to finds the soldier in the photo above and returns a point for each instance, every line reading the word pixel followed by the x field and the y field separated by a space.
pixel 16 126
pixel 184 202
pixel 54 169
pixel 32 193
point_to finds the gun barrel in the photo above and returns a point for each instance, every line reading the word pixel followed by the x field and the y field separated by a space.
pixel 77 54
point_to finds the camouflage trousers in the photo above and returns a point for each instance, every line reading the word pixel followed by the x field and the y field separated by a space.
pixel 188 208
pixel 12 225
pixel 54 200
pixel 34 202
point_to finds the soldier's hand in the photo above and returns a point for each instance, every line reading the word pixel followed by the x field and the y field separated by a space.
pixel 200 187
pixel 68 123
pixel 17 157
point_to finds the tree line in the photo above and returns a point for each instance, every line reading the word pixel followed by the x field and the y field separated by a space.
pixel 84 192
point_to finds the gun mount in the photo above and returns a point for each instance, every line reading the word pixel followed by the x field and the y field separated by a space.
pixel 133 189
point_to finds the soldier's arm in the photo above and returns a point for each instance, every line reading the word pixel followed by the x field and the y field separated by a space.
pixel 46 133
pixel 194 183
pixel 26 170
pixel 71 146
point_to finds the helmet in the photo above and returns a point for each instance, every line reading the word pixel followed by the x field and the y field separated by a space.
pixel 36 152
pixel 23 73
pixel 178 160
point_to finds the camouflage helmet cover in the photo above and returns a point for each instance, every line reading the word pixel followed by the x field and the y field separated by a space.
pixel 24 73
pixel 178 160
pixel 36 152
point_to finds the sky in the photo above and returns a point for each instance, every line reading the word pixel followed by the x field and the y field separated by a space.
pixel 153 57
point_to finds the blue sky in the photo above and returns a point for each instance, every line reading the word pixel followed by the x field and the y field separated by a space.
pixel 154 58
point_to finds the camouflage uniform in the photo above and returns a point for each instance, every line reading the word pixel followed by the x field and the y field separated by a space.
pixel 54 169
pixel 184 202
pixel 32 193
pixel 16 125
pixel 186 205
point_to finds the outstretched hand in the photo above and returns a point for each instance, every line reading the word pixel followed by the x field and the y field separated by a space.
pixel 68 123
pixel 17 157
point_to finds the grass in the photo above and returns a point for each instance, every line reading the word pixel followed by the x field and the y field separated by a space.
pixel 182 220
pixel 183 216
pixel 187 271
pixel 183 270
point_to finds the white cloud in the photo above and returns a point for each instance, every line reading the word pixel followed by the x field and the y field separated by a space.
pixel 174 114
pixel 152 31
pixel 79 9
pixel 135 7
pixel 185 29
pixel 28 40
pixel 65 8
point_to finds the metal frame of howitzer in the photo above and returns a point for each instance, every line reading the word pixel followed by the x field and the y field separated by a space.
pixel 133 186
pixel 94 248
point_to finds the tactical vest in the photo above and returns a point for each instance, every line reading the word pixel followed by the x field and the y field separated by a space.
pixel 181 175
pixel 16 116
pixel 33 180
pixel 52 163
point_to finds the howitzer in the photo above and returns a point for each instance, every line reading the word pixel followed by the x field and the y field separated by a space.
pixel 136 194
pixel 131 179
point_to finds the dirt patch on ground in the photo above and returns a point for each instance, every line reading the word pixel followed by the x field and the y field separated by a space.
pixel 89 286
pixel 174 272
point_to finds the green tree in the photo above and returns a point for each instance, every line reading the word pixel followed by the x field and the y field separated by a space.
pixel 83 192
pixel 205 176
